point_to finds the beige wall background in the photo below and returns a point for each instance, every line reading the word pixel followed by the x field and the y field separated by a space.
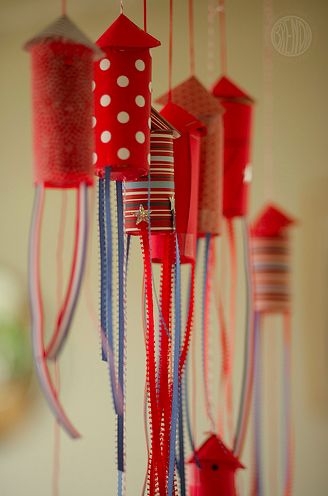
pixel 300 185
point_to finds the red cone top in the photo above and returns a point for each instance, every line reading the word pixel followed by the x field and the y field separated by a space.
pixel 226 89
pixel 194 98
pixel 183 120
pixel 159 123
pixel 123 33
pixel 64 30
pixel 271 222
pixel 213 450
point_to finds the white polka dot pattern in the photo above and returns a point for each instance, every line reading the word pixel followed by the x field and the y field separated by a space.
pixel 122 110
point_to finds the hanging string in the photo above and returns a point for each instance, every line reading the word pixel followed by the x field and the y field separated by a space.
pixel 287 443
pixel 191 38
pixel 64 7
pixel 145 14
pixel 223 36
pixel 268 99
pixel 121 7
pixel 210 41
pixel 170 50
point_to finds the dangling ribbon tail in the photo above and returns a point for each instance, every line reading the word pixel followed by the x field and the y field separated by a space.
pixel 67 310
pixel 36 305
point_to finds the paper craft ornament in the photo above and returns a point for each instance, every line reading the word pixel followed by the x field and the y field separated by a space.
pixel 186 177
pixel 151 199
pixel 122 97
pixel 270 255
pixel 212 469
pixel 192 96
pixel 237 123
pixel 271 264
pixel 62 62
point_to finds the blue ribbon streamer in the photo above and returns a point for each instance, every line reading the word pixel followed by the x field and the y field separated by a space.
pixel 121 328
pixel 175 393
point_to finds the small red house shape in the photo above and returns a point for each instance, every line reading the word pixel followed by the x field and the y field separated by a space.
pixel 62 67
pixel 194 98
pixel 271 260
pixel 155 207
pixel 212 470
pixel 186 177
pixel 122 98
pixel 237 122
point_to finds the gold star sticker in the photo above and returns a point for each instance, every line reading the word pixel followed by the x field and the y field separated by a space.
pixel 142 215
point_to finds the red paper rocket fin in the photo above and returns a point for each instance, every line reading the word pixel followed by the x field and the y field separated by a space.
pixel 62 60
pixel 212 469
pixel 122 98
pixel 186 173
pixel 237 121
pixel 151 199
pixel 123 33
pixel 271 222
pixel 192 96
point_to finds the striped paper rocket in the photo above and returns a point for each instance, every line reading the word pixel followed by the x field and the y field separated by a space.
pixel 150 200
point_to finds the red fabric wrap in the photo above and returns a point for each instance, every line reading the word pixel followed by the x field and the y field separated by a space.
pixel 237 122
pixel 62 110
pixel 122 95
pixel 194 98
pixel 216 474
pixel 186 175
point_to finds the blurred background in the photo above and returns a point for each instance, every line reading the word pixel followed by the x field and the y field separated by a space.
pixel 300 185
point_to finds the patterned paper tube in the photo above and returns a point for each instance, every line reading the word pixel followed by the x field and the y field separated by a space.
pixel 270 254
pixel 155 207
pixel 122 97
pixel 62 61
pixel 192 96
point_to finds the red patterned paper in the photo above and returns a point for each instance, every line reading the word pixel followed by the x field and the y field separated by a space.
pixel 237 121
pixel 62 60
pixel 193 97
pixel 122 99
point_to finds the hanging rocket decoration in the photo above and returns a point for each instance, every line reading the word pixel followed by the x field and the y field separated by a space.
pixel 270 255
pixel 62 60
pixel 212 469
pixel 122 101
pixel 122 96
pixel 237 122
pixel 193 97
pixel 168 179
pixel 237 175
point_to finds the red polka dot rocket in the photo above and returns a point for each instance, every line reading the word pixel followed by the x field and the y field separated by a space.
pixel 62 63
pixel 122 98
